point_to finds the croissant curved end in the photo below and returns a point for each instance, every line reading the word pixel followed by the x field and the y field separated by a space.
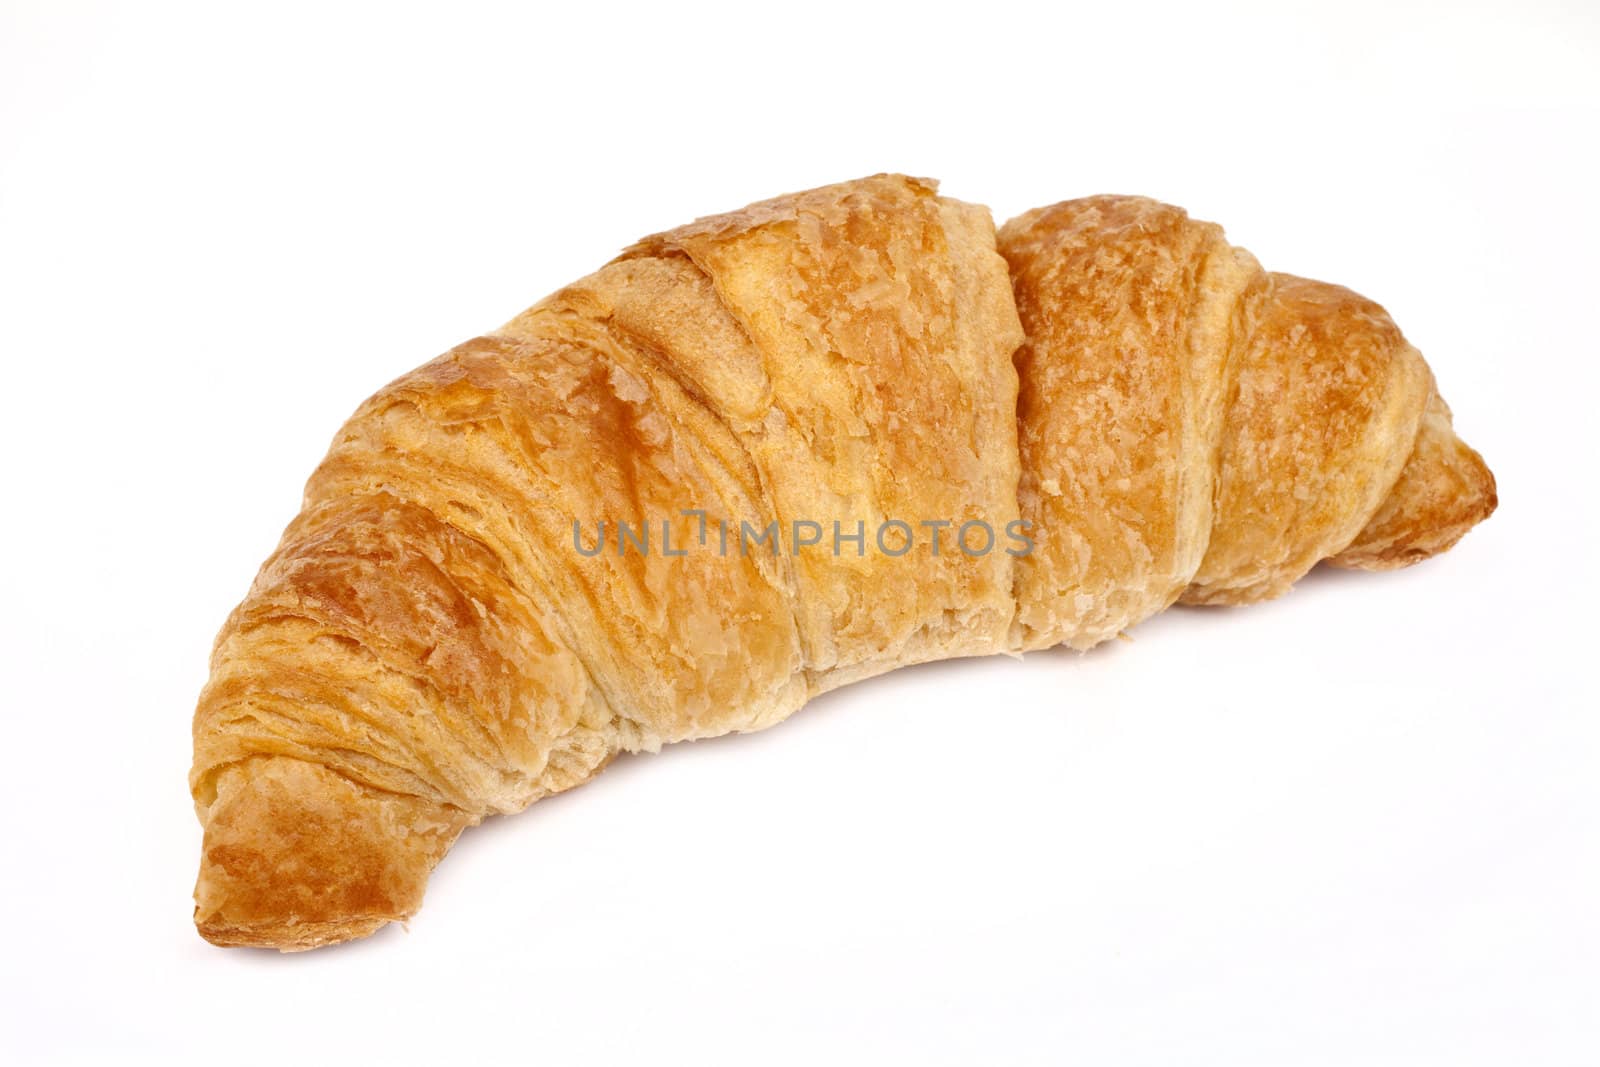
pixel 296 856
pixel 1444 490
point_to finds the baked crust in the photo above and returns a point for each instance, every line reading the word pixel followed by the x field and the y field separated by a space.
pixel 434 641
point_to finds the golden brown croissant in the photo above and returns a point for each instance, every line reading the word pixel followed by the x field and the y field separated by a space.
pixel 761 456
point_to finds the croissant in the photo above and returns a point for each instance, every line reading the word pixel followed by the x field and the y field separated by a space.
pixel 762 456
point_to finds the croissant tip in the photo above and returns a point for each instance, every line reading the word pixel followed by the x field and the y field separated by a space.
pixel 296 857
pixel 1445 490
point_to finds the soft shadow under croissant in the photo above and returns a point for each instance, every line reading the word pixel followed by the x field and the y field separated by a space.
pixel 1134 411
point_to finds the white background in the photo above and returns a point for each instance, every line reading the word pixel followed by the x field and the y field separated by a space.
pixel 1360 825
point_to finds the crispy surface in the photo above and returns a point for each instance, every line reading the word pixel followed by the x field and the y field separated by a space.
pixel 878 315
pixel 446 632
pixel 1324 409
pixel 1132 313
pixel 1445 490
pixel 287 838
pixel 1194 428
